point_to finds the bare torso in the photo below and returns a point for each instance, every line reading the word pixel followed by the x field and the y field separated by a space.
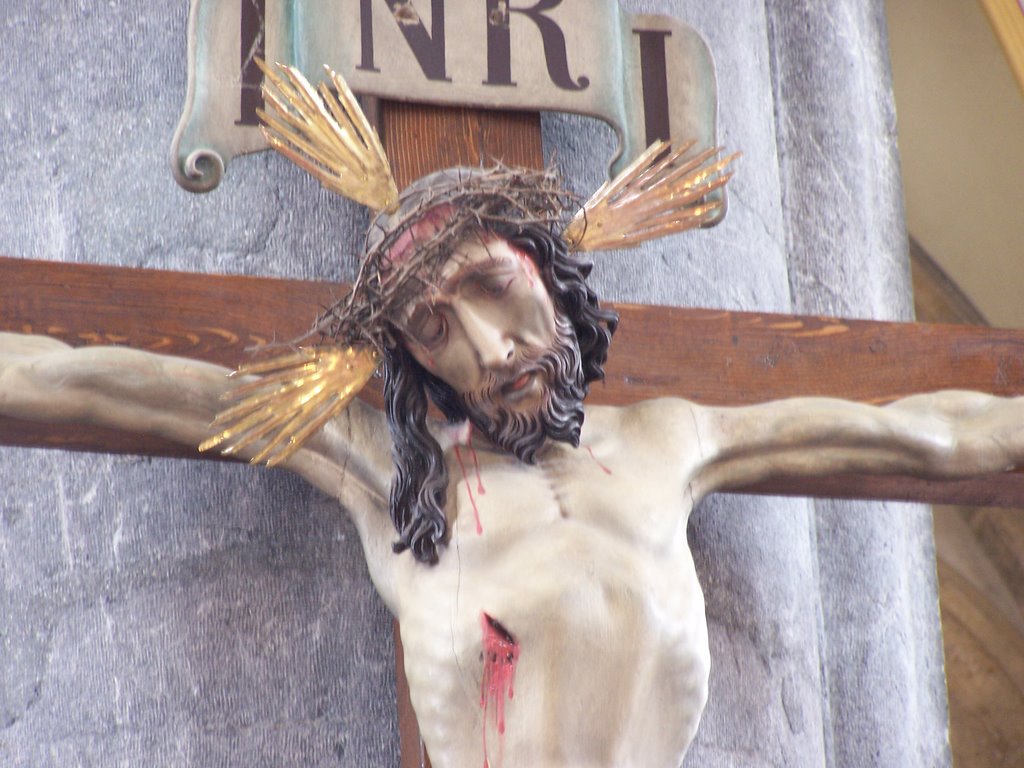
pixel 580 578
pixel 577 583
pixel 582 559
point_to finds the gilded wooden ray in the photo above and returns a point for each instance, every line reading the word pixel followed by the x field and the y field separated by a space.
pixel 662 192
pixel 324 132
pixel 296 394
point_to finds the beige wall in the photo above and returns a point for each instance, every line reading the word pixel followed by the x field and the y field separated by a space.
pixel 961 133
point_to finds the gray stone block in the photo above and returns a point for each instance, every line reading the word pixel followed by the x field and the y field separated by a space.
pixel 186 613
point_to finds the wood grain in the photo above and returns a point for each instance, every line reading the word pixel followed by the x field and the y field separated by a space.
pixel 708 356
pixel 419 140
pixel 1001 533
pixel 980 555
pixel 985 656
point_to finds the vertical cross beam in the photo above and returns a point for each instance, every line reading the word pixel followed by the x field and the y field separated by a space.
pixel 419 140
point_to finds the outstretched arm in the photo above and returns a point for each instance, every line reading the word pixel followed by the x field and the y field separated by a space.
pixel 941 435
pixel 42 379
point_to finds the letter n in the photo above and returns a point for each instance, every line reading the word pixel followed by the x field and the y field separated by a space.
pixel 429 49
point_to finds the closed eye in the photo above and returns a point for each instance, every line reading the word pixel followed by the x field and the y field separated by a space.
pixel 429 329
pixel 495 285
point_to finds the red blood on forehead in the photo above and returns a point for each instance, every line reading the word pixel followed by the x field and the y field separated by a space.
pixel 425 227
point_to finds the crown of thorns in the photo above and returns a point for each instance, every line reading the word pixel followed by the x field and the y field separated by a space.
pixel 472 201
pixel 324 131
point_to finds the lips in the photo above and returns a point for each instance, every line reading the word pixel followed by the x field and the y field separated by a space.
pixel 519 383
pixel 519 386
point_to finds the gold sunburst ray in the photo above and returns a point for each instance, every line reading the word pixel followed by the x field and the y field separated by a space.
pixel 662 192
pixel 694 217
pixel 325 133
pixel 287 130
pixel 651 163
pixel 251 400
pixel 314 118
pixel 301 391
pixel 287 423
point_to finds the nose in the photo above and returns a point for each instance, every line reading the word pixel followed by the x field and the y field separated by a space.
pixel 494 347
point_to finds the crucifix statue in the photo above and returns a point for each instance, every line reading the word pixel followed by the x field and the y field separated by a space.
pixel 533 548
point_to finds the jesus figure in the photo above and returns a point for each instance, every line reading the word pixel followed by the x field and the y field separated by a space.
pixel 535 554
pixel 532 548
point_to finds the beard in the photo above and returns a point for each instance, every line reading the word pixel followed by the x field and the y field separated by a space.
pixel 560 415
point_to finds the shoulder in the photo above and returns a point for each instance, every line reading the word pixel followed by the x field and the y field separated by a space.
pixel 666 413
pixel 671 426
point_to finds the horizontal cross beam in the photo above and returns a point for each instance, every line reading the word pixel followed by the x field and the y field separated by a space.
pixel 708 356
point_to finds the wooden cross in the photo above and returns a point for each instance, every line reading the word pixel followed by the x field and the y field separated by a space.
pixel 708 356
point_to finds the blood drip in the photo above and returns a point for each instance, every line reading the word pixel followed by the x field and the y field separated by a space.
pixel 528 267
pixel 469 490
pixel 501 653
pixel 602 466
pixel 476 465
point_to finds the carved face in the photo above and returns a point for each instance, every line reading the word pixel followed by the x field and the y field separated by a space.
pixel 489 309
pixel 489 329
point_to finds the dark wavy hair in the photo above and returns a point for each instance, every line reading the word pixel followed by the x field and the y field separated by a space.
pixel 419 489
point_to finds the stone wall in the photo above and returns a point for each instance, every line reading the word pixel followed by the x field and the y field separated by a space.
pixel 197 614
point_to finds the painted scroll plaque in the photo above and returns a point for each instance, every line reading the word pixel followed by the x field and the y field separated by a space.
pixel 648 76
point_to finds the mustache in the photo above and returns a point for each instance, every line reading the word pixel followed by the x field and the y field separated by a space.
pixel 559 418
pixel 553 363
